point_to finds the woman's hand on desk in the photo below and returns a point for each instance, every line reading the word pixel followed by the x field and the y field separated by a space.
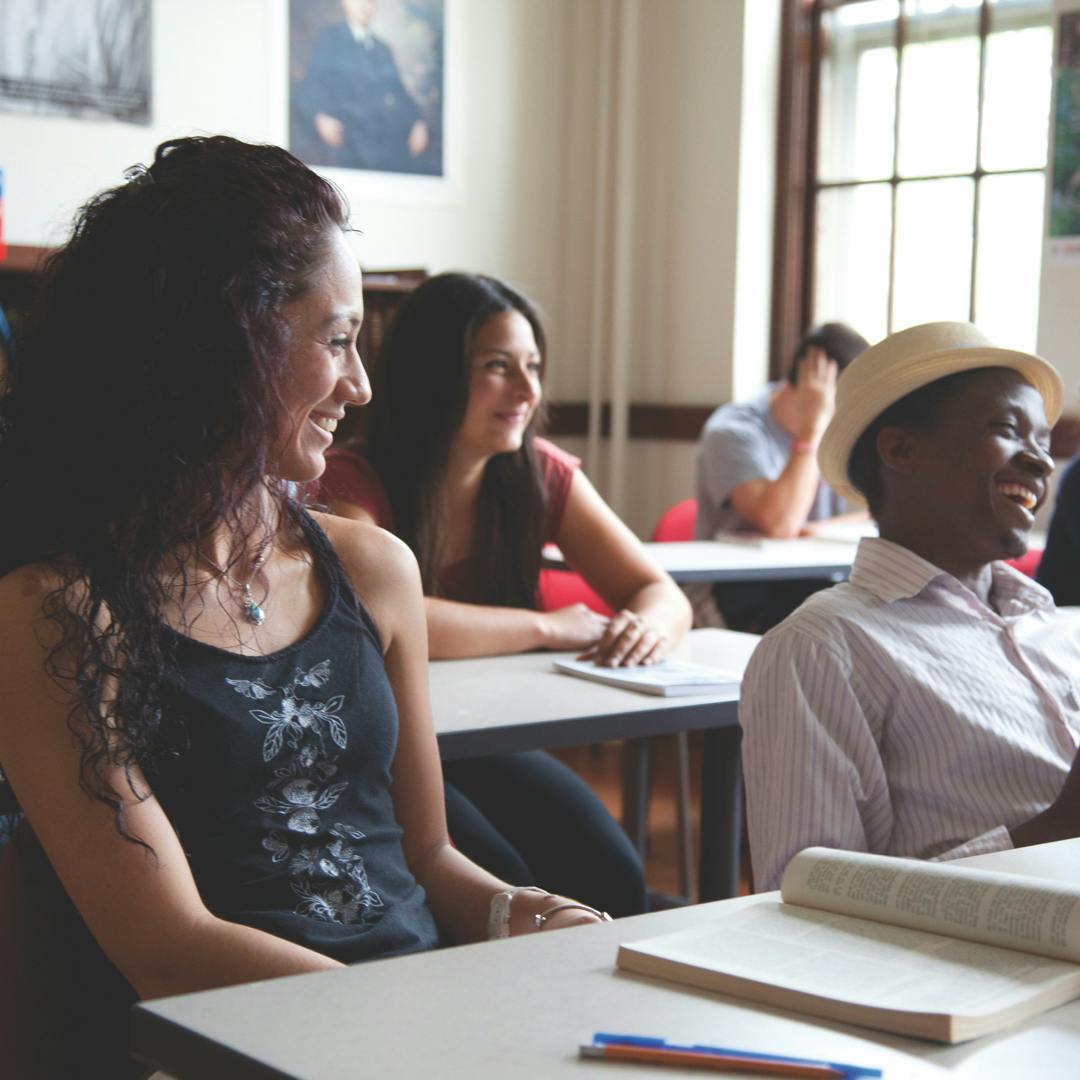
pixel 541 913
pixel 629 639
pixel 573 627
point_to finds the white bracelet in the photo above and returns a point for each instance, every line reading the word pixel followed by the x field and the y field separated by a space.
pixel 499 912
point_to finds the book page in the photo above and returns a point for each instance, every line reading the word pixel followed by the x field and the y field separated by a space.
pixel 855 961
pixel 665 675
pixel 1032 914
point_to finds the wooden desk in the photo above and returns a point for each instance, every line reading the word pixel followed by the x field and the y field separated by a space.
pixel 503 704
pixel 519 1008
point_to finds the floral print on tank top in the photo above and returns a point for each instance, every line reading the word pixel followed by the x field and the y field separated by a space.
pixel 326 870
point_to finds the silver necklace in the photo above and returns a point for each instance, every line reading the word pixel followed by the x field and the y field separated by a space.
pixel 253 611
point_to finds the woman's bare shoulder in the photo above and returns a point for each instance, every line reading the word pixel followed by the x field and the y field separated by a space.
pixel 27 638
pixel 33 579
pixel 23 593
pixel 381 569
pixel 374 559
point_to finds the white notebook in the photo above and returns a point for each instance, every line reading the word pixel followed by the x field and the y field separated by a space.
pixel 668 678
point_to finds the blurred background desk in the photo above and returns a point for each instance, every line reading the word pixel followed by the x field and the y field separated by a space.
pixel 717 561
pixel 749 559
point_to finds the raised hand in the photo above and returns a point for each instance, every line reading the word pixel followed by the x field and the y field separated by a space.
pixel 815 393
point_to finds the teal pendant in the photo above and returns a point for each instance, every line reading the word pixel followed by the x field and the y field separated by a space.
pixel 254 614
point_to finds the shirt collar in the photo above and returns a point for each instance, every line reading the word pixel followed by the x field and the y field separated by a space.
pixel 891 572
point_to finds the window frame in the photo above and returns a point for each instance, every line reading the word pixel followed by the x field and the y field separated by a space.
pixel 798 183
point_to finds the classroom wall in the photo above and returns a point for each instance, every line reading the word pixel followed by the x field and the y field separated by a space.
pixel 704 250
pixel 613 158
pixel 222 68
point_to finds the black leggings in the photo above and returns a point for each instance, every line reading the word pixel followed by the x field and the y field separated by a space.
pixel 530 820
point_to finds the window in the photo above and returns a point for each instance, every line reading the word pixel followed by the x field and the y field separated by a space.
pixel 923 151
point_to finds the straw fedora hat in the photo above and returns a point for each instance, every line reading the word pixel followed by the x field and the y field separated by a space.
pixel 903 362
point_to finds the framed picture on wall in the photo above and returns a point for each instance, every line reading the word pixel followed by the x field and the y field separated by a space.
pixel 367 84
pixel 73 58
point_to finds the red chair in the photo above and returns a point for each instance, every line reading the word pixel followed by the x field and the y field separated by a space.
pixel 561 588
pixel 1028 563
pixel 676 523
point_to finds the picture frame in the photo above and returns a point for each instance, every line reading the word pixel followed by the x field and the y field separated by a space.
pixel 370 100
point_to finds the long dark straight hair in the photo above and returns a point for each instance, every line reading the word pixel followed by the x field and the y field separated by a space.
pixel 419 395
pixel 143 408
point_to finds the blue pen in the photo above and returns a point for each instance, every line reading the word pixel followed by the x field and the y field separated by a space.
pixel 851 1072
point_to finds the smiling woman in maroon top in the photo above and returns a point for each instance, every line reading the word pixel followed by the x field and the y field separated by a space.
pixel 452 464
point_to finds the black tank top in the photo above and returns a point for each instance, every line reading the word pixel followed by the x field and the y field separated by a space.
pixel 278 786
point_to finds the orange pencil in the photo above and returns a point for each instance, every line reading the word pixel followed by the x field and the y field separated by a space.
pixel 655 1055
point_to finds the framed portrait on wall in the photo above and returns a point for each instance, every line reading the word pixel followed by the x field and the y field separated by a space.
pixel 367 84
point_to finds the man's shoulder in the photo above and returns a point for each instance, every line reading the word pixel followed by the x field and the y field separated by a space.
pixel 739 424
pixel 824 620
pixel 736 414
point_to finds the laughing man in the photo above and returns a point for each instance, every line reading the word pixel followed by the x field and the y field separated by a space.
pixel 930 706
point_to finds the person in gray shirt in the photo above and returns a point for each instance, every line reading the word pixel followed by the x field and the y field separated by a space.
pixel 757 469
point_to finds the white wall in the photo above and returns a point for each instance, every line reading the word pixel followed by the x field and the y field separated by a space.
pixel 704 245
pixel 527 197
pixel 221 67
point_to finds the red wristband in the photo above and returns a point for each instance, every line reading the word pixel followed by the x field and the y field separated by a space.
pixel 803 446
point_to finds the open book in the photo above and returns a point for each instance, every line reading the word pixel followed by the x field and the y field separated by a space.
pixel 668 678
pixel 935 950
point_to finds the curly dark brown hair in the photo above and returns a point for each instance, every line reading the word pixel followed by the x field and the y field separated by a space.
pixel 141 409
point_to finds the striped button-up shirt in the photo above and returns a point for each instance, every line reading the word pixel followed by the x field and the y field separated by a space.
pixel 897 713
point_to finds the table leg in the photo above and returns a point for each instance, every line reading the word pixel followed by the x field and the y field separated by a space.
pixel 637 768
pixel 721 814
pixel 684 816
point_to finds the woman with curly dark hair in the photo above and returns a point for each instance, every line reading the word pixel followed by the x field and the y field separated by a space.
pixel 213 704
pixel 452 463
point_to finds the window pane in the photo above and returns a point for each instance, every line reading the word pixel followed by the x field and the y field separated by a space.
pixel 939 87
pixel 933 251
pixel 1009 258
pixel 858 91
pixel 1016 95
pixel 851 281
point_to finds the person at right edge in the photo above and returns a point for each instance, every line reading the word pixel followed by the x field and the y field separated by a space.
pixel 1059 567
pixel 757 471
